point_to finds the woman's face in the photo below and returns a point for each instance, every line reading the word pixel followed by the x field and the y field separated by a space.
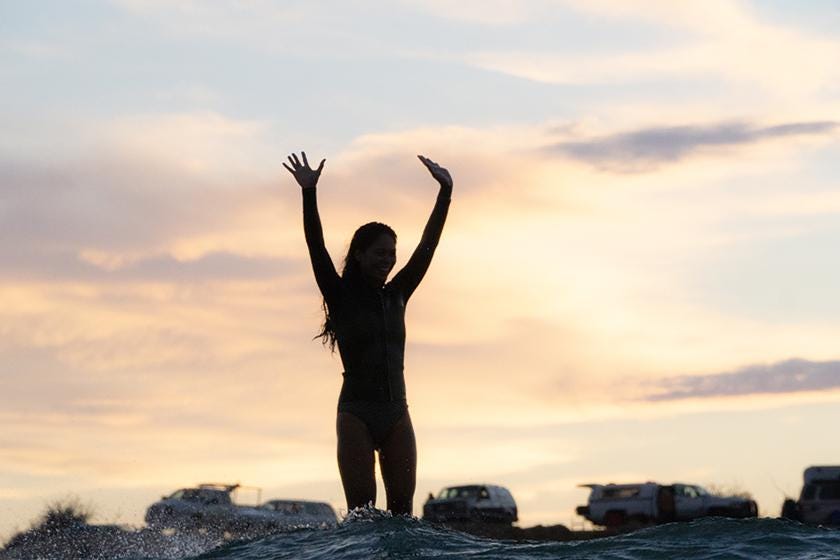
pixel 378 259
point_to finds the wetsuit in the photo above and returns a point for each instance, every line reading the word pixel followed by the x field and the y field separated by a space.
pixel 369 322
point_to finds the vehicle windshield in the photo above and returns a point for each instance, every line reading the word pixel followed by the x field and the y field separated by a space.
pixel 459 492
pixel 701 491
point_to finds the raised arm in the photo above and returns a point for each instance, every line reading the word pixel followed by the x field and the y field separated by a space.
pixel 325 274
pixel 412 273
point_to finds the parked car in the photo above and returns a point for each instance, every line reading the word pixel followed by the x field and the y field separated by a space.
pixel 617 505
pixel 211 507
pixel 472 502
pixel 819 501
pixel 301 512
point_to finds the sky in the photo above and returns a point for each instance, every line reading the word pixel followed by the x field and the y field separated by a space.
pixel 637 279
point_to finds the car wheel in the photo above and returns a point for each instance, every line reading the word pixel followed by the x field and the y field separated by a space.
pixel 753 509
pixel 789 510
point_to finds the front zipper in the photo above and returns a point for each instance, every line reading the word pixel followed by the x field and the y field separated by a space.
pixel 385 345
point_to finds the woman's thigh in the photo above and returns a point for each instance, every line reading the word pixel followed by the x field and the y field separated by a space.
pixel 355 460
pixel 398 464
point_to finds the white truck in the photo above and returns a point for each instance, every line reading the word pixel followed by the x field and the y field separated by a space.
pixel 819 501
pixel 619 505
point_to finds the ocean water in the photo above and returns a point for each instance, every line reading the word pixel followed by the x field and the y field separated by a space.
pixel 397 538
pixel 382 537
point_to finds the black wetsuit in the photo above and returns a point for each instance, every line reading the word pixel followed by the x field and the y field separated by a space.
pixel 369 322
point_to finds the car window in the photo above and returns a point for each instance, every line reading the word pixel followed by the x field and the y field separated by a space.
pixel 483 494
pixel 622 492
pixel 212 497
pixel 809 491
pixel 467 492
pixel 190 495
pixel 315 509
pixel 684 491
pixel 830 491
pixel 459 492
pixel 287 507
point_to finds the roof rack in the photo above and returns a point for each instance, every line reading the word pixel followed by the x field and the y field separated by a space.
pixel 217 486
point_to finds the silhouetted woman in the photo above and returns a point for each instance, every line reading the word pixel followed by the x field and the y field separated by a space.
pixel 365 315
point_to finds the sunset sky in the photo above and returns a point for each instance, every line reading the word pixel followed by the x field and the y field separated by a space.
pixel 638 280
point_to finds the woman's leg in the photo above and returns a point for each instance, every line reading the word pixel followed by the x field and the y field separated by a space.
pixel 355 460
pixel 398 463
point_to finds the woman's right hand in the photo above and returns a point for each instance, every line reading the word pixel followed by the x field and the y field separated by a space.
pixel 441 174
pixel 306 177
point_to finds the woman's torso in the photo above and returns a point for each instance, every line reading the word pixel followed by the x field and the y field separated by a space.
pixel 369 325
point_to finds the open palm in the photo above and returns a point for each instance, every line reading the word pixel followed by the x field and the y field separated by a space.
pixel 306 177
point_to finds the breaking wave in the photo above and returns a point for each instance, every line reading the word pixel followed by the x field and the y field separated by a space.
pixel 381 536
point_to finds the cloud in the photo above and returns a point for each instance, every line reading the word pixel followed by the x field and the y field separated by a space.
pixel 132 181
pixel 790 376
pixel 217 265
pixel 649 147
pixel 223 18
pixel 482 12
pixel 99 267
pixel 140 220
pixel 708 17
pixel 719 46
pixel 35 49
pixel 150 197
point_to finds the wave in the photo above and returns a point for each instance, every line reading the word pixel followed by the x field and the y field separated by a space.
pixel 377 535
pixel 391 538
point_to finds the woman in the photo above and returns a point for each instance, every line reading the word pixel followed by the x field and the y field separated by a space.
pixel 365 315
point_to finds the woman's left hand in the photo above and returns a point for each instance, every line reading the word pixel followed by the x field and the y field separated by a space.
pixel 440 174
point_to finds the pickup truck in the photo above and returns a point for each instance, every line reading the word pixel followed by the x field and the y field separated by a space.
pixel 619 505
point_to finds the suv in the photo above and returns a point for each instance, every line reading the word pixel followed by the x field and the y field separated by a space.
pixel 473 502
pixel 617 505
pixel 819 501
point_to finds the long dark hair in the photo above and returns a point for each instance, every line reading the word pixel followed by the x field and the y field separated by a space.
pixel 363 238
